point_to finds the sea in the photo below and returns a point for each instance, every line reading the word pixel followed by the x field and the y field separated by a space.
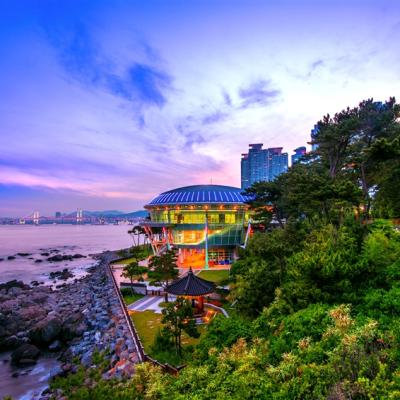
pixel 35 240
pixel 32 241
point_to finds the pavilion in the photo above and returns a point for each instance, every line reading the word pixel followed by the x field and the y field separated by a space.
pixel 192 287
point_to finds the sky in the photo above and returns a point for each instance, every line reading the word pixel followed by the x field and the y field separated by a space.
pixel 105 104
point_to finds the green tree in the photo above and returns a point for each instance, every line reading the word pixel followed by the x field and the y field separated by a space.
pixel 178 318
pixel 133 271
pixel 163 270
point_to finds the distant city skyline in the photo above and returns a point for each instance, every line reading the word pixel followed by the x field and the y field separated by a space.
pixel 104 104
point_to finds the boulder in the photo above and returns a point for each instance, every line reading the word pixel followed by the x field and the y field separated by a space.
pixel 32 313
pixel 14 283
pixel 25 354
pixel 45 331
pixel 55 346
pixel 78 256
pixel 73 326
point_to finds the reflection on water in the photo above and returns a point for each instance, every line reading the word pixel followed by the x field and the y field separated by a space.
pixel 28 382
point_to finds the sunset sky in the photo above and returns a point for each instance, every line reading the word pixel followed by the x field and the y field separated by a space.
pixel 104 104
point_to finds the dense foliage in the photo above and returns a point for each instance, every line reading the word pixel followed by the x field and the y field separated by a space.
pixel 317 298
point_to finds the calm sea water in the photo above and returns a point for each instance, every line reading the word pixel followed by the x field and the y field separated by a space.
pixel 68 239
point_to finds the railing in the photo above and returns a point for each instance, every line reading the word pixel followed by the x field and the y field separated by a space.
pixel 132 329
pixel 220 309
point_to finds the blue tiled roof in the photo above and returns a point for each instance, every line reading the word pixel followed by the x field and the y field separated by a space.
pixel 200 194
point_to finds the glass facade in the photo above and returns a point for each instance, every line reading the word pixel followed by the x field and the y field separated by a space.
pixel 202 232
pixel 197 215
pixel 260 164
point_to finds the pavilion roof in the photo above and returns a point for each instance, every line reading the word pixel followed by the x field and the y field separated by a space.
pixel 190 285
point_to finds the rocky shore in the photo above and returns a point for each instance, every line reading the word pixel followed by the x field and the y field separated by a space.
pixel 72 322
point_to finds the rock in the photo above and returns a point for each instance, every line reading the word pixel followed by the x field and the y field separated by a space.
pixel 24 254
pixel 64 274
pixel 73 326
pixel 25 354
pixel 86 359
pixel 35 283
pixel 1 259
pixel 11 342
pixel 38 260
pixel 45 331
pixel 78 256
pixel 32 313
pixel 45 254
pixel 14 283
pixel 11 258
pixel 55 346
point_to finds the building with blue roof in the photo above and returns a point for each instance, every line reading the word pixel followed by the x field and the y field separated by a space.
pixel 205 223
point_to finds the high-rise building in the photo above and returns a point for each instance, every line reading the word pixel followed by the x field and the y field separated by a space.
pixel 314 132
pixel 298 153
pixel 262 164
pixel 58 214
pixel 245 171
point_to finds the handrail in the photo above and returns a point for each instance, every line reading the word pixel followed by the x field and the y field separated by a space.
pixel 220 309
pixel 132 329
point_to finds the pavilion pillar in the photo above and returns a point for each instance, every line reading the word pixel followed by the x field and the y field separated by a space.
pixel 201 303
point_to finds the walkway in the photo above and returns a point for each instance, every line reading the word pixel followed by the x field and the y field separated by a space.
pixel 151 303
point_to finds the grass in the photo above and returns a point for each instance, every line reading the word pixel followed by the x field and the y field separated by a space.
pixel 217 276
pixel 147 324
pixel 124 262
pixel 129 297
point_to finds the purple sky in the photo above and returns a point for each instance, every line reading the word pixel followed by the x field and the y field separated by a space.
pixel 104 104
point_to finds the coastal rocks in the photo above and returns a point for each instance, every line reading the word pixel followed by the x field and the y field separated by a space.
pixel 11 258
pixel 73 326
pixel 63 275
pixel 76 321
pixel 46 330
pixel 55 346
pixel 25 355
pixel 24 254
pixel 64 257
pixel 12 284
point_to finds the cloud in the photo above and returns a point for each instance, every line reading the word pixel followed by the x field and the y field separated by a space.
pixel 214 117
pixel 150 84
pixel 85 61
pixel 227 98
pixel 258 93
pixel 316 64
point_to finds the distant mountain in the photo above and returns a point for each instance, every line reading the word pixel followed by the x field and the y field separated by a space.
pixel 112 214
pixel 108 213
pixel 136 214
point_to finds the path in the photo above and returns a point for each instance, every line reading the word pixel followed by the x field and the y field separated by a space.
pixel 151 303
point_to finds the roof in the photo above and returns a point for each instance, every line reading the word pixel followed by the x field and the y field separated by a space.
pixel 200 194
pixel 190 285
